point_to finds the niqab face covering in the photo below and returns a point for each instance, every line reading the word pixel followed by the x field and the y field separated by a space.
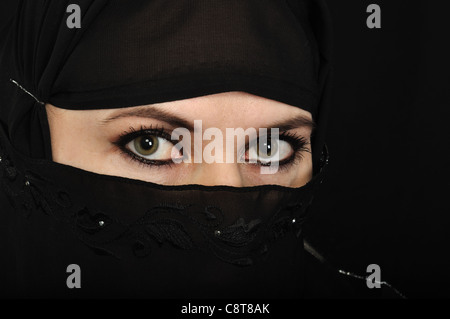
pixel 133 238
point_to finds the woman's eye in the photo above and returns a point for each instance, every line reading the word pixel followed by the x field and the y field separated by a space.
pixel 151 147
pixel 269 151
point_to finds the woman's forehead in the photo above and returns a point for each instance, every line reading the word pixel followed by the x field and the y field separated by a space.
pixel 220 110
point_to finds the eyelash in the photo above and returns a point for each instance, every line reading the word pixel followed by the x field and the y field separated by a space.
pixel 298 144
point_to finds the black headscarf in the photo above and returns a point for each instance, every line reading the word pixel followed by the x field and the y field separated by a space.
pixel 143 52
pixel 130 53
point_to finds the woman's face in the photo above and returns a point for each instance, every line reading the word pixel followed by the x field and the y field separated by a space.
pixel 136 142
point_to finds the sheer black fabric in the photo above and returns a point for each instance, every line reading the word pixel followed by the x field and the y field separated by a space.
pixel 140 239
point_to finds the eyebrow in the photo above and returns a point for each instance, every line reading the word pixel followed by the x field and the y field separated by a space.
pixel 293 123
pixel 153 112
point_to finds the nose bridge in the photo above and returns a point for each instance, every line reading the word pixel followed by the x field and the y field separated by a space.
pixel 227 171
pixel 218 174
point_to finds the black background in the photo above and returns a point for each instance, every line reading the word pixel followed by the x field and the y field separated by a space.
pixel 385 199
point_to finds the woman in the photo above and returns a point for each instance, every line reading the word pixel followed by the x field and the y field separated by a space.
pixel 92 174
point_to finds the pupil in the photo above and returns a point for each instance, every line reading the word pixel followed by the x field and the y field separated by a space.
pixel 147 143
pixel 266 151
